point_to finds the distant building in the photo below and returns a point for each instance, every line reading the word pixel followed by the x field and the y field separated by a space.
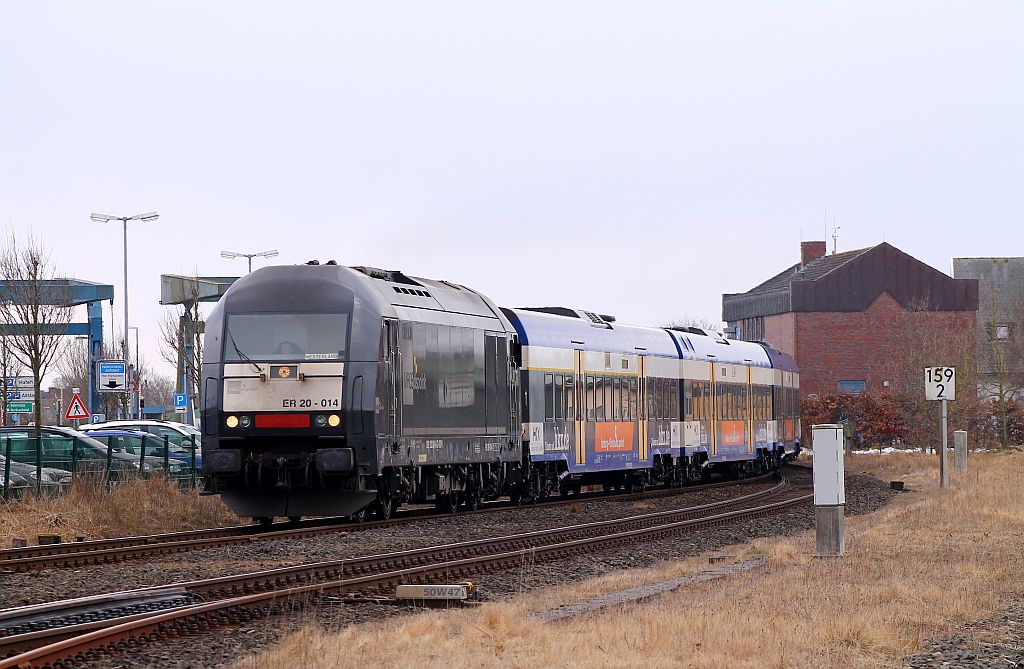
pixel 1000 319
pixel 841 315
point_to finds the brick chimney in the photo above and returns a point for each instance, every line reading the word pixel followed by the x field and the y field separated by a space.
pixel 810 251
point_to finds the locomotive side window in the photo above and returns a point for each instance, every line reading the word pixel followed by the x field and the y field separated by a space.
pixel 559 398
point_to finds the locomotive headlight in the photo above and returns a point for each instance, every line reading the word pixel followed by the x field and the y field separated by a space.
pixel 232 421
pixel 321 421
pixel 246 421
pixel 334 420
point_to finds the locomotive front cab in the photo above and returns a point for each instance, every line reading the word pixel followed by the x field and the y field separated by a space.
pixel 283 399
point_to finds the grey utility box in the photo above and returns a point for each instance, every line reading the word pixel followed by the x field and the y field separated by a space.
pixel 829 489
pixel 829 486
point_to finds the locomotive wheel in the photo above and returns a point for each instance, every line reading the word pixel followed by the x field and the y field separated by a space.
pixel 294 519
pixel 384 507
pixel 447 503
pixel 263 521
pixel 473 502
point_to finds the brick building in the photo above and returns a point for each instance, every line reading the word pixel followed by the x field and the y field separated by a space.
pixel 849 317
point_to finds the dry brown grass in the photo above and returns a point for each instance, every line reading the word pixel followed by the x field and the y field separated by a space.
pixel 143 506
pixel 912 571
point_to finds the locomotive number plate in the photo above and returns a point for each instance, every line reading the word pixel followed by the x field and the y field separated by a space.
pixel 272 395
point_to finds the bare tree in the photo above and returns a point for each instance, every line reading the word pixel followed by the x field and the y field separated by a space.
pixel 687 321
pixel 159 389
pixel 921 338
pixel 10 368
pixel 72 371
pixel 1001 360
pixel 35 309
pixel 181 330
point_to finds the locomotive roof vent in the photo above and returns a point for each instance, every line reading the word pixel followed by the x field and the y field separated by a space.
pixel 313 262
pixel 599 321
pixel 411 291
pixel 392 275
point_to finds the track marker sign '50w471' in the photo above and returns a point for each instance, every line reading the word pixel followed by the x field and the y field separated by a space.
pixel 940 383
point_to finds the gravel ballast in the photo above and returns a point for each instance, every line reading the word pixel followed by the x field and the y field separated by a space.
pixel 998 642
pixel 227 645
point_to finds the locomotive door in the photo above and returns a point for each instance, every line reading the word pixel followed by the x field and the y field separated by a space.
pixel 390 383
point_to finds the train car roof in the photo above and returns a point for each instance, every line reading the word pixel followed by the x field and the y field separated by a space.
pixel 568 328
pixel 780 360
pixel 432 300
pixel 696 344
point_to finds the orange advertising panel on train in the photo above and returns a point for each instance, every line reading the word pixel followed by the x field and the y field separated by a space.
pixel 733 433
pixel 613 437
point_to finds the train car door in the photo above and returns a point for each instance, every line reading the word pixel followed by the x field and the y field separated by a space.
pixel 750 410
pixel 641 416
pixel 391 383
pixel 713 404
pixel 579 424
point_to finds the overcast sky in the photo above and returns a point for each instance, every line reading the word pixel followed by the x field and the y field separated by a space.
pixel 633 158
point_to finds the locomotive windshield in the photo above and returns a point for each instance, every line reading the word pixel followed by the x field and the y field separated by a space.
pixel 285 337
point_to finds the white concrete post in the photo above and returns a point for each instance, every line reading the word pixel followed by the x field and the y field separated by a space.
pixel 960 450
pixel 829 489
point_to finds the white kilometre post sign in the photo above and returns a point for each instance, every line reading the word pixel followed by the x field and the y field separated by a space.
pixel 940 385
pixel 829 489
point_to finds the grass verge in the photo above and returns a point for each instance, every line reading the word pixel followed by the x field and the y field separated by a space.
pixel 142 506
pixel 912 571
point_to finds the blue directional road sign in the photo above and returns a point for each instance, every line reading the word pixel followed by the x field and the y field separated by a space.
pixel 112 376
pixel 180 402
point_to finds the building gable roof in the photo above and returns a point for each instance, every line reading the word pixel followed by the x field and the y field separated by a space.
pixel 851 281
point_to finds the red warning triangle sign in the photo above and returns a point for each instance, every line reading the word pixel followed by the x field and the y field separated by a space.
pixel 76 410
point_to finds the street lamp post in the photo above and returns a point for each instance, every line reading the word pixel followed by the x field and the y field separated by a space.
pixel 134 387
pixel 249 256
pixel 106 218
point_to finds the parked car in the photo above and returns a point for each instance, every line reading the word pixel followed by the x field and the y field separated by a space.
pixel 133 442
pixel 75 451
pixel 18 485
pixel 53 479
pixel 177 433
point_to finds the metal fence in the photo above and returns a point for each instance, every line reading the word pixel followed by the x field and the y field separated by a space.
pixel 48 464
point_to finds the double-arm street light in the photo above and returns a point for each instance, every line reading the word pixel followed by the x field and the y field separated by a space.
pixel 262 254
pixel 106 218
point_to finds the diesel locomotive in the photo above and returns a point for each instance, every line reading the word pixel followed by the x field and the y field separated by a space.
pixel 333 390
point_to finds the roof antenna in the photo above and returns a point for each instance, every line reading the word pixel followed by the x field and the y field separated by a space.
pixel 835 237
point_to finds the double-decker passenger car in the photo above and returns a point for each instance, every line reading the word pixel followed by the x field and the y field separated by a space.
pixel 329 389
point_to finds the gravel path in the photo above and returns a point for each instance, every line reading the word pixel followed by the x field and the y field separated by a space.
pixel 864 494
pixel 980 644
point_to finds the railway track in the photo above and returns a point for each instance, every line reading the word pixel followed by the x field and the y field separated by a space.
pixel 246 596
pixel 102 551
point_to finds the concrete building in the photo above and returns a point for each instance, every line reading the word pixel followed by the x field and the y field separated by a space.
pixel 1000 339
pixel 848 316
